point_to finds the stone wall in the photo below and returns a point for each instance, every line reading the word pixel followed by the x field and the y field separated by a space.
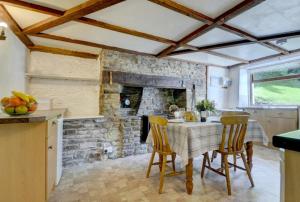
pixel 117 61
pixel 89 140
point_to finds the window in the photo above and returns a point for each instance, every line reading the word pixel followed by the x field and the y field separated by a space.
pixel 276 87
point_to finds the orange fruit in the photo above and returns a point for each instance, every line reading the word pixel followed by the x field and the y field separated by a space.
pixel 14 101
pixel 32 107
pixel 4 101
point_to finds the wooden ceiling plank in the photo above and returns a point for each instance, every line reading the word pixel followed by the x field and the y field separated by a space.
pixel 286 35
pixel 71 14
pixel 13 25
pixel 87 43
pixel 220 20
pixel 63 52
pixel 88 21
pixel 172 5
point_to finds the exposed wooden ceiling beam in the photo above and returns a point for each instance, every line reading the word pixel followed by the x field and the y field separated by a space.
pixel 13 25
pixel 88 21
pixel 286 35
pixel 227 56
pixel 253 38
pixel 220 20
pixel 87 43
pixel 263 59
pixel 172 5
pixel 125 30
pixel 63 52
pixel 71 14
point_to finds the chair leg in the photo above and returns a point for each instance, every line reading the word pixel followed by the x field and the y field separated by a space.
pixel 173 162
pixel 203 164
pixel 247 169
pixel 150 164
pixel 162 173
pixel 213 155
pixel 234 162
pixel 227 174
pixel 222 163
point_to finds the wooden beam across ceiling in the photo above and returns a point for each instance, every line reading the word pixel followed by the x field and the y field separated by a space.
pixel 269 38
pixel 76 12
pixel 219 21
pixel 87 43
pixel 63 52
pixel 172 5
pixel 253 38
pixel 13 25
pixel 88 21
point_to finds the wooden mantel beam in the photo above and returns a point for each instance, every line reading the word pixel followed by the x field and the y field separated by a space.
pixel 71 14
pixel 14 26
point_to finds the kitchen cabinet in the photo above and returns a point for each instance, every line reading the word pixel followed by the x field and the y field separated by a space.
pixel 28 156
pixel 275 121
pixel 51 154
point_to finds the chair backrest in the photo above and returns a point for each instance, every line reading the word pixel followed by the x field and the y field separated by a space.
pixel 190 116
pixel 229 113
pixel 158 127
pixel 234 137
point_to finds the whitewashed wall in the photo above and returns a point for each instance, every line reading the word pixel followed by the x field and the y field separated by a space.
pixel 12 64
pixel 81 98
pixel 215 91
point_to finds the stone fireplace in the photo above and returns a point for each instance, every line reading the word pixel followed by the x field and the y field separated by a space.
pixel 151 85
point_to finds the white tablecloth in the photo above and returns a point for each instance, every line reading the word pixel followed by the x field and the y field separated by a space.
pixel 192 139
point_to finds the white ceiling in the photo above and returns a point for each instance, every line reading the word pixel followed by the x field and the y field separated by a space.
pixel 291 44
pixel 103 36
pixel 269 17
pixel 214 36
pixel 209 59
pixel 25 18
pixel 57 4
pixel 247 52
pixel 65 45
pixel 148 17
pixel 211 8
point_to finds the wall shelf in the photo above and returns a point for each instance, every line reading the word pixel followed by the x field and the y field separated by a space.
pixel 55 77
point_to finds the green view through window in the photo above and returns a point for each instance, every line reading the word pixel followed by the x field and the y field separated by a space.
pixel 276 87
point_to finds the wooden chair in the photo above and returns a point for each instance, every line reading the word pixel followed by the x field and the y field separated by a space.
pixel 161 146
pixel 232 144
pixel 190 116
pixel 229 113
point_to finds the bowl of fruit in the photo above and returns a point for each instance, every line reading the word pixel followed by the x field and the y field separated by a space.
pixel 19 104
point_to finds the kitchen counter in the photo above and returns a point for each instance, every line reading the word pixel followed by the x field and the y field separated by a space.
pixel 38 116
pixel 289 164
pixel 269 107
pixel 290 141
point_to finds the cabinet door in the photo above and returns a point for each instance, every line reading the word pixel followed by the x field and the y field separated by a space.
pixel 51 155
pixel 277 126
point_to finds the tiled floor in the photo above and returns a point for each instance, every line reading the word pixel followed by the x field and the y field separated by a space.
pixel 124 180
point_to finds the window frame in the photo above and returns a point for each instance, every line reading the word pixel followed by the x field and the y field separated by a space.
pixel 280 78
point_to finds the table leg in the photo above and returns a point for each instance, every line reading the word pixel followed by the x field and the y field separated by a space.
pixel 189 176
pixel 249 150
pixel 160 162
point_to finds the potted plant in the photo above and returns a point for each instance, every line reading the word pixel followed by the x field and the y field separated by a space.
pixel 203 107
